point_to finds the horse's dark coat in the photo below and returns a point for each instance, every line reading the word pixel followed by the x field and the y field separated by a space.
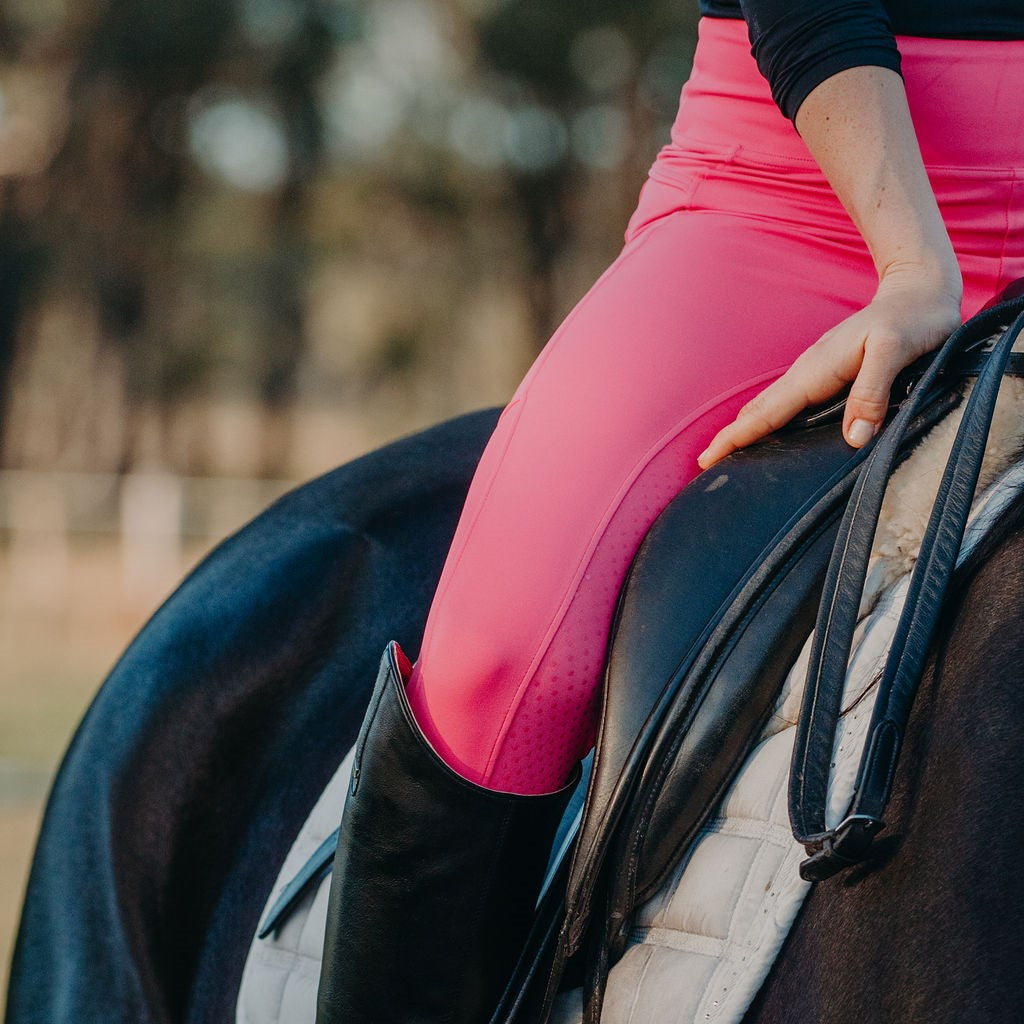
pixel 208 744
pixel 934 933
pixel 216 732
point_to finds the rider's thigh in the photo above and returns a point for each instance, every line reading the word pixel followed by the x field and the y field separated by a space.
pixel 697 313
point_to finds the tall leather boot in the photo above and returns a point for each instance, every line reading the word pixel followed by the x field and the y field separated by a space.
pixel 434 881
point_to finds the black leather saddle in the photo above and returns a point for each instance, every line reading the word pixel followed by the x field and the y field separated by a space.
pixel 720 598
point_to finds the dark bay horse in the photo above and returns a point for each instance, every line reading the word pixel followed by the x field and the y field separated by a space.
pixel 215 733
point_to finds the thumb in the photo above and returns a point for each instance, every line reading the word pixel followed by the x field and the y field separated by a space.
pixel 869 395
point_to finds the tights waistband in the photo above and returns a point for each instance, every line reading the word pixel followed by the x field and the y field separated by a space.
pixel 964 97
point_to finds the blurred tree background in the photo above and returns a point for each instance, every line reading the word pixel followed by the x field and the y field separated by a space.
pixel 242 241
pixel 258 236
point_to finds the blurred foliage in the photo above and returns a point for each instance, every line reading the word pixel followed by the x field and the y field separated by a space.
pixel 374 209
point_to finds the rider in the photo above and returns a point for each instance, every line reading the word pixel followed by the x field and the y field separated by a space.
pixel 831 200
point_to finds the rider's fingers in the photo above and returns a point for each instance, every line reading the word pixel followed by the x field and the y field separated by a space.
pixel 763 414
pixel 884 357
pixel 869 349
pixel 817 374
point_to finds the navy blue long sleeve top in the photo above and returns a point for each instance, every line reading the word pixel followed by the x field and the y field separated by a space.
pixel 798 45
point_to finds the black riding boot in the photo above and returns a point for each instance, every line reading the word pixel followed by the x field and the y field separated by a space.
pixel 434 881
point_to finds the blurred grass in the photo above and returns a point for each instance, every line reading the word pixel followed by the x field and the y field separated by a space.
pixel 19 823
pixel 45 693
pixel 54 654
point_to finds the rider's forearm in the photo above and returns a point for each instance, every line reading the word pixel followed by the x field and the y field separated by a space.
pixel 857 126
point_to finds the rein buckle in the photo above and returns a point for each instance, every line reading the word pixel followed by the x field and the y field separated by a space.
pixel 841 847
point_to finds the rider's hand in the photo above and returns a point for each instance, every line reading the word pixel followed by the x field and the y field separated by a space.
pixel 912 312
pixel 857 126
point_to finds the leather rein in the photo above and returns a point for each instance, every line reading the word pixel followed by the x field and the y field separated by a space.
pixel 833 849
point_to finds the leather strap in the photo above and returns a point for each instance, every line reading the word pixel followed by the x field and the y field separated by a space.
pixel 308 878
pixel 831 850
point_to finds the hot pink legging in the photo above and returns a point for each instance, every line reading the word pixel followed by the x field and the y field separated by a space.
pixel 737 257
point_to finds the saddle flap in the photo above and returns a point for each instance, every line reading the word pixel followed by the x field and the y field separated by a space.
pixel 689 570
pixel 738 696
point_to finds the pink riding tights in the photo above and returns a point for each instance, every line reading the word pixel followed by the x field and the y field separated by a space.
pixel 737 257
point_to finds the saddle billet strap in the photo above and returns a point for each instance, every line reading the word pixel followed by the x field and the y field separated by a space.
pixel 316 868
pixel 832 850
pixel 915 628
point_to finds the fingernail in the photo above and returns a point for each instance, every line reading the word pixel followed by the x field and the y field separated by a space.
pixel 860 432
pixel 700 458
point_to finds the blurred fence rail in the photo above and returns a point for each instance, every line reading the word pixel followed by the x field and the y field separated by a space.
pixel 144 524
